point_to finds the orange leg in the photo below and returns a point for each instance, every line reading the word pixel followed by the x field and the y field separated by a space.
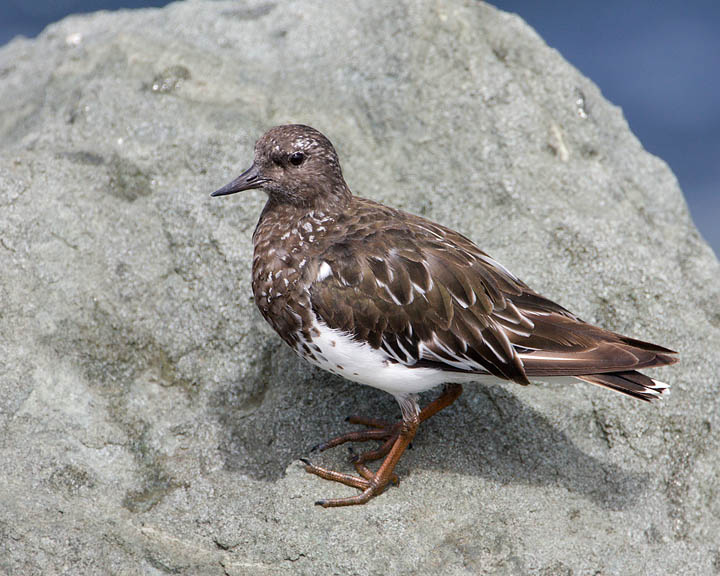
pixel 397 438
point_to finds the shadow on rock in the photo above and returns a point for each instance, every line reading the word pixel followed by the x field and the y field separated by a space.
pixel 488 432
pixel 493 434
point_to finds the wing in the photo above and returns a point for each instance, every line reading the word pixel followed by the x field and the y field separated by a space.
pixel 428 296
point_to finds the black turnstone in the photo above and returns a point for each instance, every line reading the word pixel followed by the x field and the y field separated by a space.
pixel 395 301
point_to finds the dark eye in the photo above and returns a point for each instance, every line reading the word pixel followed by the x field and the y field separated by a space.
pixel 296 158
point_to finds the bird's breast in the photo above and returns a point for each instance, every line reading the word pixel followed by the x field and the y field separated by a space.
pixel 285 262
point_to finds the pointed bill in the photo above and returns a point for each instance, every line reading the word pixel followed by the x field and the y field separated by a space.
pixel 248 180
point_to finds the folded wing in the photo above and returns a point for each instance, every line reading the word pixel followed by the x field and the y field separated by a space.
pixel 435 299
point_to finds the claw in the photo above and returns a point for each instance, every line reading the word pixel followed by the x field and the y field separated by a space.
pixel 353 455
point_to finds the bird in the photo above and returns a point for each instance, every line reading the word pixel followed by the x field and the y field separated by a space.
pixel 395 301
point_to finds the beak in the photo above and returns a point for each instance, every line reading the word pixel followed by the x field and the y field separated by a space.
pixel 246 181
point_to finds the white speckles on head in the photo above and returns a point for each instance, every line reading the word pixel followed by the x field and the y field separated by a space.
pixel 307 226
pixel 301 143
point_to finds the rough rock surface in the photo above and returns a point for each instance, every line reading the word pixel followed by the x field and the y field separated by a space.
pixel 151 423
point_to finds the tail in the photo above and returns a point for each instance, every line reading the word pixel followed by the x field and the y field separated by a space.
pixel 629 382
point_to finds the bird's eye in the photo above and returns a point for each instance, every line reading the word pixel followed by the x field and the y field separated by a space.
pixel 296 158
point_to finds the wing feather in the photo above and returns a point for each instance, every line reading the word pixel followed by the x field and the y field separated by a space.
pixel 428 296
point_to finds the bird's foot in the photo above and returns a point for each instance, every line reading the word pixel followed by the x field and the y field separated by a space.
pixel 394 437
pixel 380 430
pixel 370 484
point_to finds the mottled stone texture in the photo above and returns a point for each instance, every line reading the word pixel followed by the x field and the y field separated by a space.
pixel 151 423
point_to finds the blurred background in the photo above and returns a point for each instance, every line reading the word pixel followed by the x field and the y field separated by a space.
pixel 659 61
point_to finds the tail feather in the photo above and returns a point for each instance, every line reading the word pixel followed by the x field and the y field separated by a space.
pixel 648 346
pixel 629 382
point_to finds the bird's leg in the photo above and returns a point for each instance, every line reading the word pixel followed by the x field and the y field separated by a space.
pixel 450 394
pixel 397 438
pixel 383 430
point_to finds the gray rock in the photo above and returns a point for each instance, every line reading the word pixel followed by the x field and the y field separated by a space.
pixel 151 422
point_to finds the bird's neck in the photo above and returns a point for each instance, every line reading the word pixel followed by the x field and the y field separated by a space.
pixel 284 222
pixel 292 208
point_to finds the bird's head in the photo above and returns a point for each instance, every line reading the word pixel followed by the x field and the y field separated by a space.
pixel 293 164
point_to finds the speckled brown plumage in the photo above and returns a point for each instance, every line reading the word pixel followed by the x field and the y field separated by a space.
pixel 414 298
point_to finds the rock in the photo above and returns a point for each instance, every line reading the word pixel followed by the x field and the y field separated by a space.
pixel 151 422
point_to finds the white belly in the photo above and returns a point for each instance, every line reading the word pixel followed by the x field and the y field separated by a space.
pixel 338 353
